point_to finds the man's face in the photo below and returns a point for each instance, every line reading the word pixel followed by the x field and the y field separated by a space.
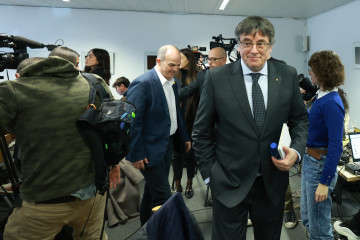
pixel 121 89
pixel 170 65
pixel 215 60
pixel 254 56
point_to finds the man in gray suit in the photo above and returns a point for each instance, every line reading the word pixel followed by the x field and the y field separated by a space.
pixel 249 100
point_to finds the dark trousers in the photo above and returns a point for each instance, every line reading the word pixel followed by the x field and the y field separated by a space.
pixel 231 223
pixel 157 188
pixel 179 159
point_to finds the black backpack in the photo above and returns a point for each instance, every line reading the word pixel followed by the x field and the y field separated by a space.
pixel 105 130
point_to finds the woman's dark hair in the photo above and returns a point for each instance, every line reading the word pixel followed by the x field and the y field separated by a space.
pixel 192 68
pixel 328 69
pixel 103 59
pixel 344 99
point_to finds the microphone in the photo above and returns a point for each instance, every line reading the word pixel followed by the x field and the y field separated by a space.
pixel 27 42
pixel 274 151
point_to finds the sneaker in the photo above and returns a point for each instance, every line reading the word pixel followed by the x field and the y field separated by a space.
pixel 348 229
pixel 290 220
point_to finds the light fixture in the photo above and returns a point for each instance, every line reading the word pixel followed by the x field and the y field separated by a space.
pixel 66 0
pixel 223 5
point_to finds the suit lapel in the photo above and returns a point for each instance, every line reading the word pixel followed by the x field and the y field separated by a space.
pixel 237 86
pixel 159 91
pixel 274 82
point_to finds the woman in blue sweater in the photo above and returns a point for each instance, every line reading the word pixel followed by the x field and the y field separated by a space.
pixel 324 145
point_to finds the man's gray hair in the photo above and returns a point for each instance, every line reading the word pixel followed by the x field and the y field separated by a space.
pixel 163 50
pixel 253 24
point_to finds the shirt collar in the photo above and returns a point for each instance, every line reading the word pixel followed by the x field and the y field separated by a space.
pixel 321 93
pixel 163 80
pixel 247 71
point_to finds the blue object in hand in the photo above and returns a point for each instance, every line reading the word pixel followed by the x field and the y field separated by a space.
pixel 274 150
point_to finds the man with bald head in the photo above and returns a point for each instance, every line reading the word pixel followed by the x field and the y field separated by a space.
pixel 158 117
pixel 216 58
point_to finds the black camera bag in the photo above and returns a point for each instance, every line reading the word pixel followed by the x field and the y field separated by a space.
pixel 105 130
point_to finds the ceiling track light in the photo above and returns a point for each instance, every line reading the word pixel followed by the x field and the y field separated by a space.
pixel 223 5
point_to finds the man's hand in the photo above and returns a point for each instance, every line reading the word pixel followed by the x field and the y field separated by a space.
pixel 114 176
pixel 289 160
pixel 187 146
pixel 140 164
pixel 321 193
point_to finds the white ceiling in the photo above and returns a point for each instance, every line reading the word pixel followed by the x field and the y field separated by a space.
pixel 299 9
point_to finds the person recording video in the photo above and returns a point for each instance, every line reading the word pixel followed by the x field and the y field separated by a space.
pixel 58 172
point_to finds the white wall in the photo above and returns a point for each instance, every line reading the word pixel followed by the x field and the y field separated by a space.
pixel 337 30
pixel 132 34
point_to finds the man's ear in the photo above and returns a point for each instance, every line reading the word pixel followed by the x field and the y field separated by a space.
pixel 17 75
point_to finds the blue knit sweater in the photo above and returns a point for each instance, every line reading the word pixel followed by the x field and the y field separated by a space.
pixel 326 123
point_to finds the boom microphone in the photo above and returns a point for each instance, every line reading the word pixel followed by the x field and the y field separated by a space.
pixel 26 42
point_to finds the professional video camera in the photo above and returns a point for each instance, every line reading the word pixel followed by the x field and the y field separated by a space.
pixel 307 85
pixel 229 47
pixel 10 60
pixel 196 50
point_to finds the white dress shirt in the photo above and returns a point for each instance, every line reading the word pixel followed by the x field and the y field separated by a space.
pixel 170 99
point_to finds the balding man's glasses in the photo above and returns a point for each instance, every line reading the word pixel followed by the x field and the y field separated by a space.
pixel 259 45
pixel 213 59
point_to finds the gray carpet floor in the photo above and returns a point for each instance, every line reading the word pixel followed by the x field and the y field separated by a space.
pixel 350 204
pixel 203 214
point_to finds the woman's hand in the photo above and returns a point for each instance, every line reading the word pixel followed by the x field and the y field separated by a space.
pixel 321 193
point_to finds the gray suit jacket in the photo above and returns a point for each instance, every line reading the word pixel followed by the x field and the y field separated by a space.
pixel 232 156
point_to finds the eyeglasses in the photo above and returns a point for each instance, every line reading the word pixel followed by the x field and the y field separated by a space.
pixel 259 45
pixel 213 59
pixel 309 69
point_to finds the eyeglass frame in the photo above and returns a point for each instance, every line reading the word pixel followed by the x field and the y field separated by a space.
pixel 266 44
pixel 213 59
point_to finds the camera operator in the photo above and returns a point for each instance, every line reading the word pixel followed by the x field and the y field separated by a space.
pixel 216 58
pixel 308 90
pixel 58 172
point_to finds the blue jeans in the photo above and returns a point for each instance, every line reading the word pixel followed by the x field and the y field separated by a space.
pixel 316 216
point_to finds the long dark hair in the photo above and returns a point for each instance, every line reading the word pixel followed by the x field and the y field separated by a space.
pixel 192 68
pixel 103 59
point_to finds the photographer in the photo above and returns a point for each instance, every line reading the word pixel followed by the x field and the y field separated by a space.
pixel 58 186
pixel 308 90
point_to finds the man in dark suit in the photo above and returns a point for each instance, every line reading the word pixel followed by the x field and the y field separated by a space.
pixel 249 112
pixel 158 116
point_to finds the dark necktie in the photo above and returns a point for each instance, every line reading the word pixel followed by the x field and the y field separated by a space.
pixel 258 101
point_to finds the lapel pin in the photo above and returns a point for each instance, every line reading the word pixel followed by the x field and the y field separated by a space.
pixel 277 79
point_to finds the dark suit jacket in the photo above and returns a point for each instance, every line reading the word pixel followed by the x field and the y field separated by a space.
pixel 194 87
pixel 151 127
pixel 232 158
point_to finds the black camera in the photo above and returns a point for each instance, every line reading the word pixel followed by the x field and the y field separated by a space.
pixel 219 42
pixel 10 60
pixel 307 85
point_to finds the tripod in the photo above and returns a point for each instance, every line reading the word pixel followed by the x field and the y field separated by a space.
pixel 9 163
